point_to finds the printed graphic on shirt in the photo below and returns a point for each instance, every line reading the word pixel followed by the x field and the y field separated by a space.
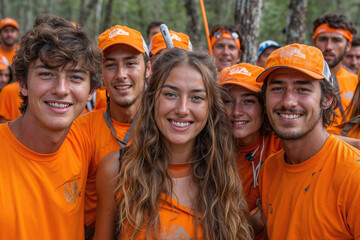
pixel 175 232
pixel 72 191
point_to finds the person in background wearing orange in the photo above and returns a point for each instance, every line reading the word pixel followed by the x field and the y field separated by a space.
pixel 178 178
pixel 5 72
pixel 157 44
pixel 152 29
pixel 9 34
pixel 43 163
pixel 227 45
pixel 125 68
pixel 333 34
pixel 352 57
pixel 311 188
pixel 264 50
pixel 350 128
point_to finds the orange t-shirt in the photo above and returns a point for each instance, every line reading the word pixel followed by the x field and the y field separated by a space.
pixel 93 125
pixel 10 101
pixel 177 221
pixel 316 199
pixel 101 100
pixel 270 145
pixel 9 54
pixel 42 195
pixel 347 84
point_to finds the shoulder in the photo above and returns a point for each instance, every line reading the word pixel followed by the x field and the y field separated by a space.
pixel 344 73
pixel 109 167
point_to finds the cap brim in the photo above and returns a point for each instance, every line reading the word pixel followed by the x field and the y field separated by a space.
pixel 266 73
pixel 242 84
pixel 123 43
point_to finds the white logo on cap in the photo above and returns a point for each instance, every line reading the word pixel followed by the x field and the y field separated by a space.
pixel 292 52
pixel 117 31
pixel 175 37
pixel 240 70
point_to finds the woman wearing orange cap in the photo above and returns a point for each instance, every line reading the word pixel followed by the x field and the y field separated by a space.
pixel 178 179
pixel 255 141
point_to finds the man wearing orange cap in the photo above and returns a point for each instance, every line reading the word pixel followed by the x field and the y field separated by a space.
pixel 333 34
pixel 125 69
pixel 9 34
pixel 311 188
pixel 226 44
pixel 157 44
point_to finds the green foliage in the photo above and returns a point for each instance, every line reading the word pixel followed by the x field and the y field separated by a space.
pixel 139 13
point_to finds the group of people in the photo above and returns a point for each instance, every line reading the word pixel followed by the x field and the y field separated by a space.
pixel 182 144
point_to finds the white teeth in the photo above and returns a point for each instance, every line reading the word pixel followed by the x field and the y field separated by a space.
pixel 122 87
pixel 240 123
pixel 59 105
pixel 180 124
pixel 291 116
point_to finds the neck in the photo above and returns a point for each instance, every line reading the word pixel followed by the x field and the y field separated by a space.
pixel 123 114
pixel 38 139
pixel 300 150
pixel 180 154
pixel 336 69
pixel 7 48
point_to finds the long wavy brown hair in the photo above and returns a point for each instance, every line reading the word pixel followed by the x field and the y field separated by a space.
pixel 144 177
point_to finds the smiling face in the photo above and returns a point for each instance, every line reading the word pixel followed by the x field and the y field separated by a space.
pixel 181 108
pixel 293 103
pixel 56 96
pixel 245 113
pixel 225 53
pixel 333 46
pixel 124 74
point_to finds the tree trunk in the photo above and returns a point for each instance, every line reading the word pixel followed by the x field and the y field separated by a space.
pixel 247 18
pixel 296 22
pixel 97 18
pixel 84 14
pixel 3 8
pixel 192 25
pixel 108 10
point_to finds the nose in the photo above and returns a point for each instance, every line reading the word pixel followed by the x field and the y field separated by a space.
pixel 61 87
pixel 328 45
pixel 237 109
pixel 289 99
pixel 121 72
pixel 182 108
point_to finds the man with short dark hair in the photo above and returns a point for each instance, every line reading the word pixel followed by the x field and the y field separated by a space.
pixel 125 68
pixel 43 163
pixel 333 34
pixel 9 34
pixel 227 45
pixel 311 188
pixel 152 29
pixel 352 57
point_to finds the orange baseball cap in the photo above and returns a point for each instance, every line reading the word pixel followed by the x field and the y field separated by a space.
pixel 122 35
pixel 242 74
pixel 180 40
pixel 9 22
pixel 303 58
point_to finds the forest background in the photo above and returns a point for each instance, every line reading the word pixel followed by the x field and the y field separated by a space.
pixel 182 15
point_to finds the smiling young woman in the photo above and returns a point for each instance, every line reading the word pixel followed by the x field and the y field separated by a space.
pixel 178 178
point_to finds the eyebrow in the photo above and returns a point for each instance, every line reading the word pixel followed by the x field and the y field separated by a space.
pixel 249 94
pixel 178 89
pixel 302 82
pixel 74 70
